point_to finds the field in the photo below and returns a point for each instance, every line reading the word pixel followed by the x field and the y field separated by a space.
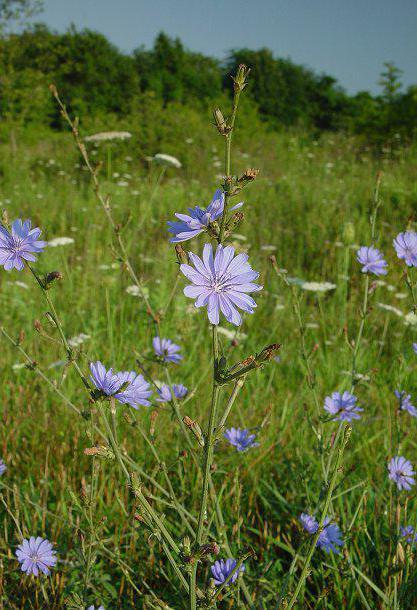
pixel 310 208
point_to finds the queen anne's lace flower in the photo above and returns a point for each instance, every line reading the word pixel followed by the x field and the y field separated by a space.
pixel 221 282
pixel 19 245
pixel 36 555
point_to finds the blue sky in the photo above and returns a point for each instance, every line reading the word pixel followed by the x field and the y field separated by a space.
pixel 347 39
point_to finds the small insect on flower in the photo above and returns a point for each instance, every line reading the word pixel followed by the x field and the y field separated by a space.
pixel 198 219
pixel 405 402
pixel 3 467
pixel 166 350
pixel 220 283
pixel 241 439
pixel 401 472
pixel 221 571
pixel 330 537
pixel 135 392
pixel 165 393
pixel 36 554
pixel 372 260
pixel 19 245
pixel 405 245
pixel 408 533
pixel 342 406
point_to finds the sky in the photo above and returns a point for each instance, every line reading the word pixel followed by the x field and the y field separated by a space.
pixel 347 39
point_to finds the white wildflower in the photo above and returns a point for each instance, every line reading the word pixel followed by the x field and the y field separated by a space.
pixel 231 334
pixel 318 286
pixel 166 160
pixel 106 136
pixel 78 340
pixel 60 241
pixel 410 319
pixel 391 308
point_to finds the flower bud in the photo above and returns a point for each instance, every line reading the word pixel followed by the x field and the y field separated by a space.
pixel 249 175
pixel 182 256
pixel 195 429
pixel 240 80
pixel 220 122
pixel 52 277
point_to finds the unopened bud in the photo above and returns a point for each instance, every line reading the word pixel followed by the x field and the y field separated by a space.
pixel 220 122
pixel 249 175
pixel 240 80
pixel 234 222
pixel 195 429
pixel 52 277
pixel 38 326
pixel 5 217
pixel 182 256
pixel 267 353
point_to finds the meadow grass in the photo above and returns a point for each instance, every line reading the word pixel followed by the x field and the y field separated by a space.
pixel 309 208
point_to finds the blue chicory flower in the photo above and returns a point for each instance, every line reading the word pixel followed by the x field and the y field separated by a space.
pixel 372 260
pixel 401 472
pixel 330 537
pixel 198 219
pixel 408 533
pixel 36 554
pixel 166 350
pixel 241 439
pixel 405 402
pixel 221 570
pixel 342 406
pixel 3 467
pixel 136 392
pixel 220 283
pixel 165 393
pixel 405 245
pixel 19 245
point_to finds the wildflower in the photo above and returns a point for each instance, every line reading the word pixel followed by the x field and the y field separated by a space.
pixel 410 319
pixel 309 523
pixel 406 246
pixel 405 402
pixel 135 389
pixel 3 467
pixel 232 334
pixel 221 570
pixel 106 136
pixel 342 406
pixel 317 286
pixel 329 538
pixel 408 533
pixel 60 241
pixel 93 608
pixel 401 472
pixel 78 340
pixel 166 160
pixel 372 260
pixel 19 245
pixel 136 393
pixel 221 282
pixel 390 308
pixel 241 439
pixel 165 393
pixel 415 348
pixel 166 349
pixel 36 554
pixel 198 219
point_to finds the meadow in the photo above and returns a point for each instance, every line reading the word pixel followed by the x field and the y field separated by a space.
pixel 310 210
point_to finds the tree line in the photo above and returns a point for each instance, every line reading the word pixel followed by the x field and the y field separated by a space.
pixel 96 78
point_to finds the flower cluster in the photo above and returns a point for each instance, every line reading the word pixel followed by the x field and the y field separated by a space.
pixel 166 393
pixel 329 538
pixel 126 386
